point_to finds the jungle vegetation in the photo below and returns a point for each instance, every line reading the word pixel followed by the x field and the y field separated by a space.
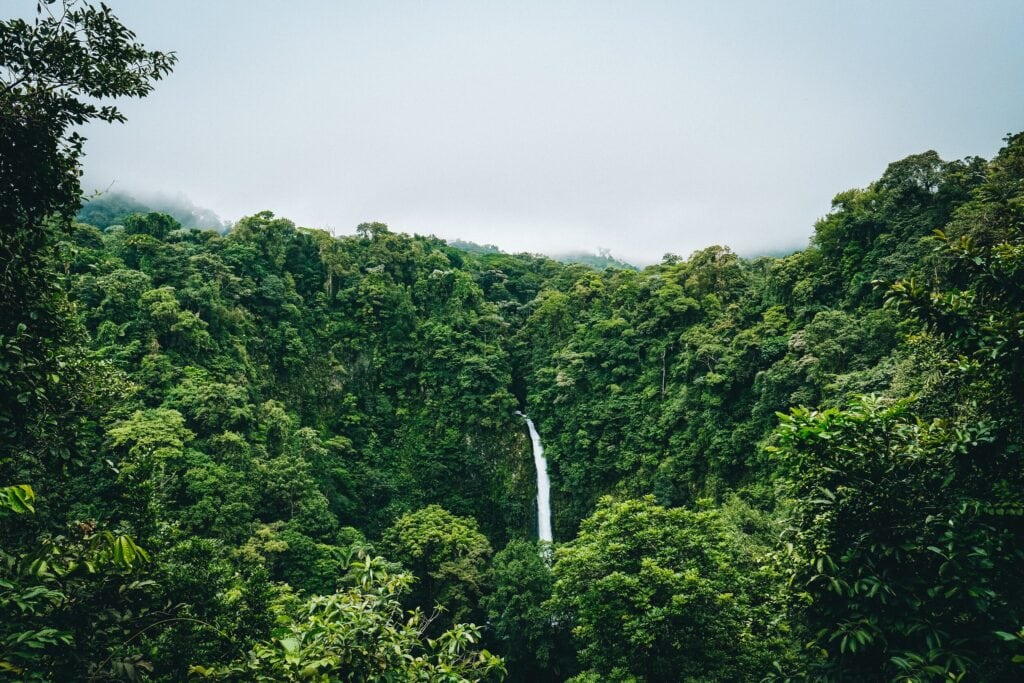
pixel 276 454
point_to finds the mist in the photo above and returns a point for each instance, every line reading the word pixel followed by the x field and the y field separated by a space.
pixel 646 129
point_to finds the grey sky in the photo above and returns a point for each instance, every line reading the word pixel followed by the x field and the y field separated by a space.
pixel 644 127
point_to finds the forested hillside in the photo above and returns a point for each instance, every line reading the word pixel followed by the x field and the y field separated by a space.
pixel 275 454
pixel 103 209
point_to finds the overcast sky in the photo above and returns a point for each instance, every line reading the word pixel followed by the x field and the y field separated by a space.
pixel 643 127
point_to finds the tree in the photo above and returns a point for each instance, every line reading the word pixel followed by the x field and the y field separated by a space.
pixel 660 594
pixel 531 642
pixel 45 589
pixel 447 555
pixel 361 633
pixel 905 541
pixel 56 73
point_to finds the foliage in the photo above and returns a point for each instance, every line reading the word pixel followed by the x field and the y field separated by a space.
pixel 56 73
pixel 905 561
pixel 42 589
pixel 362 634
pixel 448 556
pixel 257 406
pixel 534 646
pixel 656 593
pixel 907 533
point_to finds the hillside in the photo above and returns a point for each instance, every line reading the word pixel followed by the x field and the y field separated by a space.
pixel 274 454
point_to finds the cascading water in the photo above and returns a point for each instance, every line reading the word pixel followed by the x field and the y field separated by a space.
pixel 543 484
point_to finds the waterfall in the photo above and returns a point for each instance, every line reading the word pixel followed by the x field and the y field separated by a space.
pixel 543 484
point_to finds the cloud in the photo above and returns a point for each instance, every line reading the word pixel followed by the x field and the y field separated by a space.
pixel 645 128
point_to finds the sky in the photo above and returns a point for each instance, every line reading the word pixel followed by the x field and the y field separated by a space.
pixel 639 127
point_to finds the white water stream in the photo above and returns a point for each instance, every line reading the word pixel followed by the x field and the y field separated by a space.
pixel 543 484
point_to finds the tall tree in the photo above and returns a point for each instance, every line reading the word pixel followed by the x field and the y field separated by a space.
pixel 57 72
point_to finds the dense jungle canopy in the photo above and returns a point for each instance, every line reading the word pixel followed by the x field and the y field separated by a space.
pixel 271 453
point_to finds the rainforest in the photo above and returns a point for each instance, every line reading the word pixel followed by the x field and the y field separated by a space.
pixel 268 453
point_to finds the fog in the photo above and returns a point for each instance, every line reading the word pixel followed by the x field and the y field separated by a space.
pixel 643 128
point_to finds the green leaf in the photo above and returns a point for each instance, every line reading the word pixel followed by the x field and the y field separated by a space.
pixel 19 498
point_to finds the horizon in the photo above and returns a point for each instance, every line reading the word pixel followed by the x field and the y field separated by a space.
pixel 179 205
pixel 657 129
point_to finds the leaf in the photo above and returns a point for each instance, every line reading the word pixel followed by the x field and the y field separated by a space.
pixel 19 498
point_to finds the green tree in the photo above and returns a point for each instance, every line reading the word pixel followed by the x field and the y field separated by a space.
pixel 56 73
pixel 535 648
pixel 904 548
pixel 448 556
pixel 668 594
pixel 45 589
pixel 362 633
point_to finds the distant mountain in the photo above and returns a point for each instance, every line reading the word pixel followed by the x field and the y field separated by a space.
pixel 599 261
pixel 474 248
pixel 777 252
pixel 110 208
